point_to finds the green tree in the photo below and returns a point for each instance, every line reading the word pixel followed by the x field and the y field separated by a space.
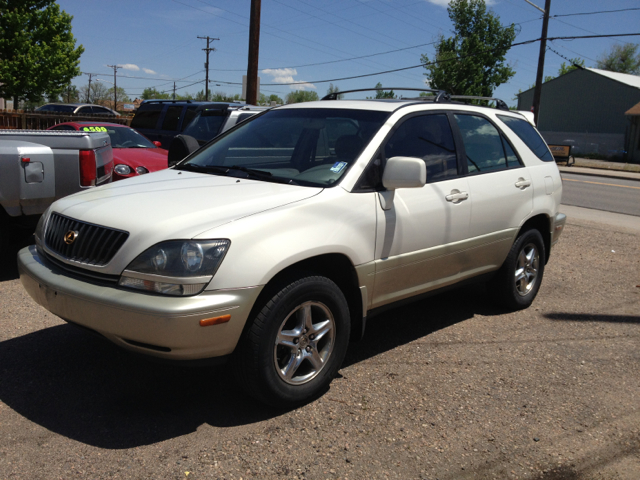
pixel 621 59
pixel 383 93
pixel 574 64
pixel 37 49
pixel 335 89
pixel 472 62
pixel 151 93
pixel 122 95
pixel 299 96
pixel 97 94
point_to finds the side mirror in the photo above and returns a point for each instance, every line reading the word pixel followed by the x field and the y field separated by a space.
pixel 404 172
pixel 157 143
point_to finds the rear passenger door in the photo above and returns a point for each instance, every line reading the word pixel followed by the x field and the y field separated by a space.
pixel 500 190
pixel 422 232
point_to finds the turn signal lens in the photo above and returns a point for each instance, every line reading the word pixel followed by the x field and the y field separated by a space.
pixel 205 322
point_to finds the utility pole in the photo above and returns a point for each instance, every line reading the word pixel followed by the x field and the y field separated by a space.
pixel 89 87
pixel 254 47
pixel 174 90
pixel 115 87
pixel 543 48
pixel 206 65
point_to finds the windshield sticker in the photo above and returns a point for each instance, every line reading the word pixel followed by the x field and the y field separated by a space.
pixel 94 129
pixel 338 167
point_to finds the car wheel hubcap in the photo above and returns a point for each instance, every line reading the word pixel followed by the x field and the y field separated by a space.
pixel 527 266
pixel 304 343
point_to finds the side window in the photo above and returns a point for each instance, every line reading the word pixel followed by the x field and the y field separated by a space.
pixel 512 158
pixel 482 143
pixel 428 137
pixel 172 118
pixel 189 115
pixel 147 118
pixel 85 111
pixel 102 111
pixel 529 136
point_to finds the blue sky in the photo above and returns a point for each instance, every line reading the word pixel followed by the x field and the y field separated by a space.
pixel 156 41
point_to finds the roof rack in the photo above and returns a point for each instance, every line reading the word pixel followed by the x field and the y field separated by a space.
pixel 500 104
pixel 440 95
pixel 153 100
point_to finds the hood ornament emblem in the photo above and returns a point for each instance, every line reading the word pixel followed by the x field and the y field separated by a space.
pixel 70 237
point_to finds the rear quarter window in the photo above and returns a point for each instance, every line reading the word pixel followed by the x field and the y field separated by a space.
pixel 147 118
pixel 529 135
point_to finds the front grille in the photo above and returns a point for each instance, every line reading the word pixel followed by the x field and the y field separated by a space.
pixel 93 245
pixel 83 273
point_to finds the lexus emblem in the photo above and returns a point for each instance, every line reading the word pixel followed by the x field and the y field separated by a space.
pixel 70 237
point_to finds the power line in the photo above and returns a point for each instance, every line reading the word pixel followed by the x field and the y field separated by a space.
pixel 594 13
pixel 335 61
pixel 424 64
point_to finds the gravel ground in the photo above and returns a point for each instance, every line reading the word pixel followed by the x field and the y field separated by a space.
pixel 445 388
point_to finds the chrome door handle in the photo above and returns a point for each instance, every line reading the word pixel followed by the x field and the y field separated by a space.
pixel 456 196
pixel 522 183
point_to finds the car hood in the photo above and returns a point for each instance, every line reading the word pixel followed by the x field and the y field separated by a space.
pixel 174 204
pixel 153 159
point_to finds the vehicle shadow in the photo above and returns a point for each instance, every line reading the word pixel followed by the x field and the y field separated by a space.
pixel 81 386
pixel 591 317
pixel 8 253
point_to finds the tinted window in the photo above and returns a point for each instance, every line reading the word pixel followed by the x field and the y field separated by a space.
pixel 206 124
pixel 244 116
pixel 102 111
pixel 285 144
pixel 188 116
pixel 482 143
pixel 427 137
pixel 512 158
pixel 147 117
pixel 85 111
pixel 172 118
pixel 529 136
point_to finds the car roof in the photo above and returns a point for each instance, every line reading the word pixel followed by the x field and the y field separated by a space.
pixel 387 105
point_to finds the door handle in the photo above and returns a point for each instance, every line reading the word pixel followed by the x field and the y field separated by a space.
pixel 456 196
pixel 522 183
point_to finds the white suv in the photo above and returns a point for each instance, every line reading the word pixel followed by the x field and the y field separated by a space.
pixel 272 245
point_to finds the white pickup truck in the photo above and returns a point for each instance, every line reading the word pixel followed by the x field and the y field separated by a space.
pixel 39 167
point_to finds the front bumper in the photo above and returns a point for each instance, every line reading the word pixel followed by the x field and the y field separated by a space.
pixel 166 327
pixel 557 227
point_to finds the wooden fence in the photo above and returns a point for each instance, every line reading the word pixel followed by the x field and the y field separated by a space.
pixel 12 120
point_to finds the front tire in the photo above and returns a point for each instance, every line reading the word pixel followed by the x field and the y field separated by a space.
pixel 296 343
pixel 518 280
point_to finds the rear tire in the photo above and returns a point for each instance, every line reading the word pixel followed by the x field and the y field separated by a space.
pixel 516 284
pixel 296 344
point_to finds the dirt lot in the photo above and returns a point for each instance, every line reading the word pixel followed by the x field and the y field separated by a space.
pixel 446 388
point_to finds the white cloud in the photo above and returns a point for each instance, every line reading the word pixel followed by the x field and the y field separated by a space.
pixel 149 71
pixel 130 66
pixel 285 75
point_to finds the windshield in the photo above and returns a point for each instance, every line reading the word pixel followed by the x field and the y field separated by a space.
pixel 305 146
pixel 122 137
pixel 205 125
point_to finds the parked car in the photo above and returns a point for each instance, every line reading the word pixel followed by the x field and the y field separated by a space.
pixel 39 167
pixel 195 122
pixel 273 244
pixel 77 109
pixel 133 154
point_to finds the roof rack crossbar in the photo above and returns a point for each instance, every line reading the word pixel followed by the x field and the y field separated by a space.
pixel 334 95
pixel 500 104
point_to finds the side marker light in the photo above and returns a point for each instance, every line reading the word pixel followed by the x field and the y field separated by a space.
pixel 205 322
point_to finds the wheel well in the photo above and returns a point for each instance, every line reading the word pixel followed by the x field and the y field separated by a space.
pixel 542 223
pixel 336 267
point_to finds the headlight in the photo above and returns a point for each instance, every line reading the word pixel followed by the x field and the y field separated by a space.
pixel 141 170
pixel 176 267
pixel 121 169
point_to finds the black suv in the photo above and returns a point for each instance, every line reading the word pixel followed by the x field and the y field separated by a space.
pixel 162 120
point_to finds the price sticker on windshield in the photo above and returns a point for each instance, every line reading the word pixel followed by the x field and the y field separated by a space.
pixel 338 167
pixel 94 129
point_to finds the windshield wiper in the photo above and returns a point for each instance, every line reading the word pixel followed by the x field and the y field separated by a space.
pixel 194 167
pixel 252 171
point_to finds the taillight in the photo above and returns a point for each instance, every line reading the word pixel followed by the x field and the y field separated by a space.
pixel 88 172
